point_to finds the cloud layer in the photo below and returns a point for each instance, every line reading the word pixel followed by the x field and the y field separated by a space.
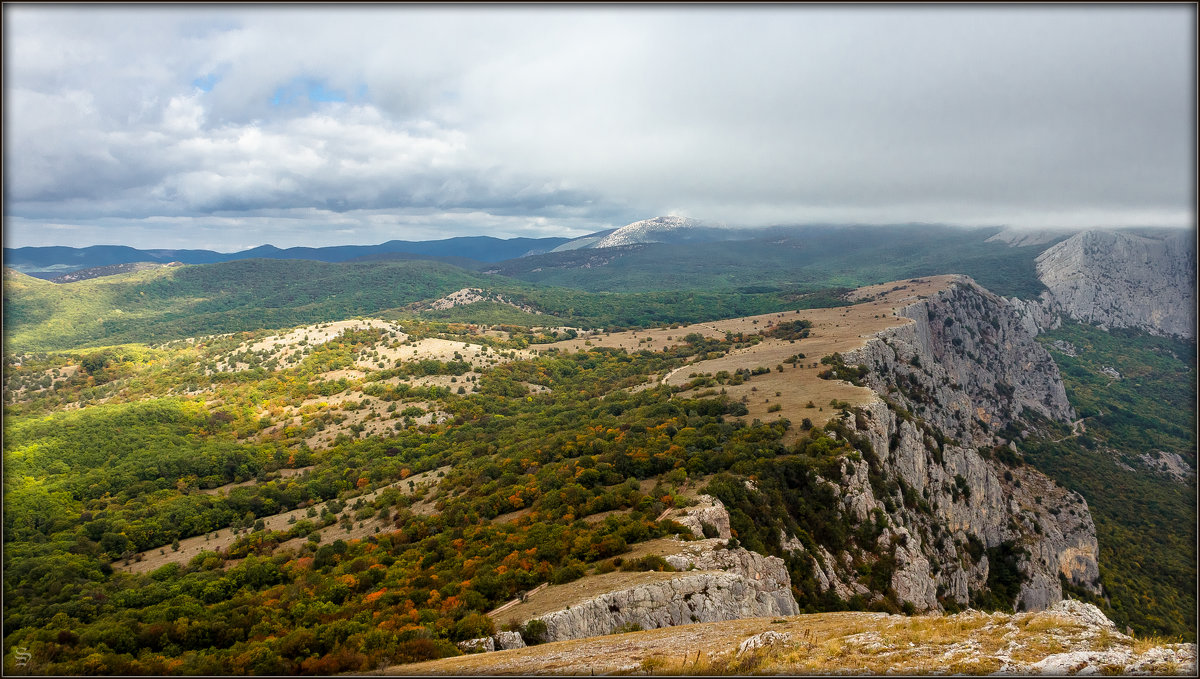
pixel 229 127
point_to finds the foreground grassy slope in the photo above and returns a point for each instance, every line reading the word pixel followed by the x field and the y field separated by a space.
pixel 841 643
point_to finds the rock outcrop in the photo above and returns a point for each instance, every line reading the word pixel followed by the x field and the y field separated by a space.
pixel 768 576
pixel 708 510
pixel 480 645
pixel 1117 279
pixel 508 640
pixel 714 583
pixel 702 596
pixel 959 383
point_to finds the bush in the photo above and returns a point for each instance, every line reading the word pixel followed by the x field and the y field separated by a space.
pixel 567 573
pixel 627 627
pixel 534 632
pixel 473 626
pixel 652 562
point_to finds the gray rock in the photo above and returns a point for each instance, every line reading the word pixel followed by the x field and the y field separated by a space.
pixel 1117 279
pixel 713 584
pixel 963 370
pixel 480 645
pixel 508 640
pixel 707 509
pixel 692 597
pixel 762 640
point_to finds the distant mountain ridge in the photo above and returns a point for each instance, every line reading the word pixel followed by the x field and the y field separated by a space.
pixel 55 261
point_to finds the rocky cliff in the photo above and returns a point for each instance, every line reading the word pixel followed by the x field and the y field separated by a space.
pixel 959 383
pixel 715 583
pixel 706 596
pixel 1117 279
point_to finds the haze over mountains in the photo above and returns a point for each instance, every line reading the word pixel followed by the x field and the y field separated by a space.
pixel 1115 278
pixel 48 262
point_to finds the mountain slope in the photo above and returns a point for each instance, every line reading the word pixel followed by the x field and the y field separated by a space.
pixel 172 303
pixel 804 256
pixel 1124 280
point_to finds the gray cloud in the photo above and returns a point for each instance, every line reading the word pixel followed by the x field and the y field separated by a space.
pixel 156 127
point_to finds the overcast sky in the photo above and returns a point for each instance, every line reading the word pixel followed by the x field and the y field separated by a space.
pixel 228 127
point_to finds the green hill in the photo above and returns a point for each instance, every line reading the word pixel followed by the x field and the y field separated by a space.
pixel 165 304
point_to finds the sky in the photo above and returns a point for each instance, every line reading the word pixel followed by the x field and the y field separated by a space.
pixel 227 127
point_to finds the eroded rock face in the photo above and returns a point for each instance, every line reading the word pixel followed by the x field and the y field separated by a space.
pixel 1121 280
pixel 957 378
pixel 706 596
pixel 707 510
pixel 714 584
pixel 767 575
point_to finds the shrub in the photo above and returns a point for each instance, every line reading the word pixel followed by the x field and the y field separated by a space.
pixel 534 632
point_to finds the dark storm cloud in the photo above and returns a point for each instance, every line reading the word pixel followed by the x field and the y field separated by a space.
pixel 321 125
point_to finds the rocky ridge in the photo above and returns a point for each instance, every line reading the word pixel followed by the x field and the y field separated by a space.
pixel 1116 279
pixel 958 381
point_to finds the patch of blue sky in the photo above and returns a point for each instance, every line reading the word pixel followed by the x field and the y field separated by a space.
pixel 205 83
pixel 313 90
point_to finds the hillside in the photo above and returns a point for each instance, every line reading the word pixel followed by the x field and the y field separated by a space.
pixel 349 494
pixel 802 256
pixel 173 303
pixel 189 301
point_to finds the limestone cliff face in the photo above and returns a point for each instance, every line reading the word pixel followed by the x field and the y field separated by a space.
pixel 956 379
pixel 707 510
pixel 727 584
pixel 1121 280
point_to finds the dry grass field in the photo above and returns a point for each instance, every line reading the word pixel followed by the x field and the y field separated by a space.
pixel 842 643
pixel 837 329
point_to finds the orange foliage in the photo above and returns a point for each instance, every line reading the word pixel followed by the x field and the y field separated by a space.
pixel 374 596
pixel 451 603
pixel 362 481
